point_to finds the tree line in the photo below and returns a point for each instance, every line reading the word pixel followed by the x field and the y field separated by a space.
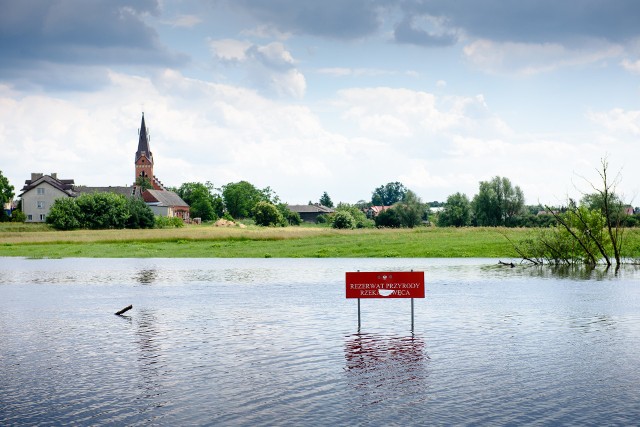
pixel 498 203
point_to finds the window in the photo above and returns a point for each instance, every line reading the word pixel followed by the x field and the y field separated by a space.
pixel 30 217
pixel 40 190
pixel 40 204
pixel 42 217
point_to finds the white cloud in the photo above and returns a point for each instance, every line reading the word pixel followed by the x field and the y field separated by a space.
pixel 229 49
pixel 618 120
pixel 534 58
pixel 184 21
pixel 633 66
pixel 270 68
pixel 357 72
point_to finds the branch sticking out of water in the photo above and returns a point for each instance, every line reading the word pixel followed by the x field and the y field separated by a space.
pixel 124 310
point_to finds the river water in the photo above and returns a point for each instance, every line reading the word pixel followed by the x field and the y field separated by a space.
pixel 275 342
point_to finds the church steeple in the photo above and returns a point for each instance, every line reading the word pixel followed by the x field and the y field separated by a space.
pixel 144 157
pixel 143 143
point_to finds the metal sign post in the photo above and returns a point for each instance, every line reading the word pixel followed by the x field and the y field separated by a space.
pixel 402 284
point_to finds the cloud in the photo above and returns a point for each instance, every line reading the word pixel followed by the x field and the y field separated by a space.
pixel 35 34
pixel 229 49
pixel 329 18
pixel 425 30
pixel 618 120
pixel 532 21
pixel 392 113
pixel 184 21
pixel 270 68
pixel 534 58
pixel 633 66
pixel 353 72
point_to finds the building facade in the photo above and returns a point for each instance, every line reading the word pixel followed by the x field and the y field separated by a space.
pixel 39 193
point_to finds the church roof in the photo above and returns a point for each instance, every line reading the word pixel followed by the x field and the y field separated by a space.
pixel 163 198
pixel 143 142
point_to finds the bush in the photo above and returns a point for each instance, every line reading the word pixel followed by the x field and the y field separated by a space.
pixel 343 220
pixel 267 215
pixel 322 219
pixel 18 216
pixel 168 222
pixel 65 214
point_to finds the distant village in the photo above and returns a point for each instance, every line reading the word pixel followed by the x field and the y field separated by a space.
pixel 42 190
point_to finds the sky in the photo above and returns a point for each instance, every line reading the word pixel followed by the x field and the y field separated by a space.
pixel 341 96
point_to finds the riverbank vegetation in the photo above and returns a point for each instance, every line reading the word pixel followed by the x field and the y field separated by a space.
pixel 208 241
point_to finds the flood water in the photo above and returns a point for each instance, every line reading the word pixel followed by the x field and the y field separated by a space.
pixel 275 342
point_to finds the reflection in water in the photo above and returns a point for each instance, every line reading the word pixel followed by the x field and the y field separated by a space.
pixel 572 272
pixel 152 366
pixel 382 368
pixel 146 276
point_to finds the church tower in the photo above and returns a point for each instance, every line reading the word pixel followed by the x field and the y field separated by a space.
pixel 144 159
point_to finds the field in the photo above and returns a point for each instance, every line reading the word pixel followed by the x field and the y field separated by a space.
pixel 206 241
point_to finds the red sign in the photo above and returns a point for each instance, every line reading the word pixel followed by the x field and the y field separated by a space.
pixel 399 284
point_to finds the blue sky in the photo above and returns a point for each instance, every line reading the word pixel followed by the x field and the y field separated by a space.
pixel 336 96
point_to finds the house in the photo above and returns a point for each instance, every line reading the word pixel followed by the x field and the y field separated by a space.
pixel 310 213
pixel 39 193
pixel 166 203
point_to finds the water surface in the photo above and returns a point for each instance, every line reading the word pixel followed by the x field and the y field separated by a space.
pixel 274 342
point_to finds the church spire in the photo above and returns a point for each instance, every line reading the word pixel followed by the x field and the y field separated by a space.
pixel 144 158
pixel 143 143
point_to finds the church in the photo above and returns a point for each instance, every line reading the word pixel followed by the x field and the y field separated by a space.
pixel 41 191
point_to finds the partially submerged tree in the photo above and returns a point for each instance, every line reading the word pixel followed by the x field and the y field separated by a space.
pixel 590 232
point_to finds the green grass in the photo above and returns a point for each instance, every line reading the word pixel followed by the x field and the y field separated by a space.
pixel 257 242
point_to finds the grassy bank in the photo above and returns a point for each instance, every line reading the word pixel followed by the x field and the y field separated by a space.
pixel 256 242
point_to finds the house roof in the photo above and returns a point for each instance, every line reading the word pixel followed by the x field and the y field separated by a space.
pixel 378 209
pixel 310 209
pixel 143 142
pixel 163 198
pixel 64 185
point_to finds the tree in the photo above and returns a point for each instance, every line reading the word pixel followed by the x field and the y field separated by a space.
pixel 360 218
pixel 290 217
pixel 241 197
pixel 587 232
pixel 202 201
pixel 144 183
pixel 411 210
pixel 102 210
pixel 497 203
pixel 267 214
pixel 388 218
pixel 325 200
pixel 6 195
pixel 389 194
pixel 456 211
pixel 140 215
